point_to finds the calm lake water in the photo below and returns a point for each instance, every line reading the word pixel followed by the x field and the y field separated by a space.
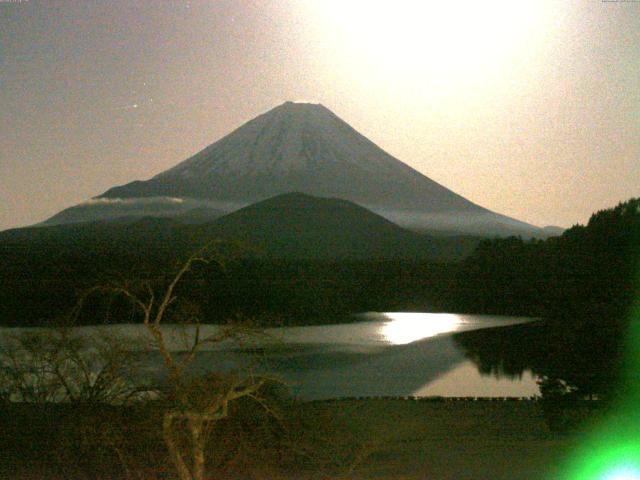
pixel 383 354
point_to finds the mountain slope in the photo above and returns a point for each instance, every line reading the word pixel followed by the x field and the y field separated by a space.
pixel 346 255
pixel 127 209
pixel 297 147
pixel 306 148
pixel 288 226
pixel 300 226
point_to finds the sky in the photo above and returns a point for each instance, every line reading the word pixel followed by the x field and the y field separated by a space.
pixel 530 109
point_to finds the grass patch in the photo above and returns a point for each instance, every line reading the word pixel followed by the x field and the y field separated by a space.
pixel 358 439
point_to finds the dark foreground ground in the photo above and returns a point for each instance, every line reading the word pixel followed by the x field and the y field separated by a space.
pixel 347 439
pixel 455 440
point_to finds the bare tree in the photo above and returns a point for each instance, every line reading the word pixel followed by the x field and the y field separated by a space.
pixel 195 402
pixel 58 365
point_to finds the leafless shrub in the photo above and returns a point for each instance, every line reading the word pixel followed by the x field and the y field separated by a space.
pixel 61 365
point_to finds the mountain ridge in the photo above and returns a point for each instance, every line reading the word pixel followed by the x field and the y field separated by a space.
pixel 306 148
pixel 300 226
pixel 292 226
pixel 291 143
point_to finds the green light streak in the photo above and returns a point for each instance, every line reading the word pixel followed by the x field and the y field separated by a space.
pixel 612 448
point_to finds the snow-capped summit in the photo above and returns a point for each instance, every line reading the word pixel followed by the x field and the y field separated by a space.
pixel 304 147
pixel 298 147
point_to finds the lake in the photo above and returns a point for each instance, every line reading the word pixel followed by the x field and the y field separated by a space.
pixel 382 354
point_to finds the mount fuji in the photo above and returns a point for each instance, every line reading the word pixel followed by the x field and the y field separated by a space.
pixel 296 147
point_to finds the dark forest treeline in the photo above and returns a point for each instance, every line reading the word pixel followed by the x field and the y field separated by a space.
pixel 584 283
pixel 44 270
pixel 589 271
pixel 304 292
pixel 37 290
pixel 296 292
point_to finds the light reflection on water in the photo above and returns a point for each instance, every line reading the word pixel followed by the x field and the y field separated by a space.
pixel 387 353
pixel 375 330
pixel 464 380
pixel 408 327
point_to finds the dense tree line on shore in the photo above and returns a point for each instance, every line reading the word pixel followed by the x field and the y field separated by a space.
pixel 587 272
pixel 585 275
pixel 583 283
pixel 273 292
pixel 43 275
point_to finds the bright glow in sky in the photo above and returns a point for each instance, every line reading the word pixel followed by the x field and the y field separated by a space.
pixel 445 56
pixel 445 39
pixel 528 108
